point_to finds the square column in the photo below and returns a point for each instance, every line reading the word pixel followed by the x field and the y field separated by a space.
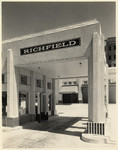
pixel 98 124
pixel 54 112
pixel 80 98
pixel 41 101
pixel 39 109
pixel 32 93
pixel 12 91
pixel 45 95
pixel 44 100
pixel 96 92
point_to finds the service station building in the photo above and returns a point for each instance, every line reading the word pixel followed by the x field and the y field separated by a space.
pixel 30 65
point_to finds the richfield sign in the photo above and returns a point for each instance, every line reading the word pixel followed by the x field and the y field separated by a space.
pixel 51 46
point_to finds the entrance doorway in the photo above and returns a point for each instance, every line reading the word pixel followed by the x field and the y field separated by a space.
pixel 70 98
pixel 4 103
pixel 4 107
pixel 23 103
pixel 37 105
pixel 85 93
pixel 24 107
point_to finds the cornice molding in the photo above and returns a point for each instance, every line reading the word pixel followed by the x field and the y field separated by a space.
pixel 82 24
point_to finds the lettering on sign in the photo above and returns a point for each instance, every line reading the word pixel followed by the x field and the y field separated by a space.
pixel 51 46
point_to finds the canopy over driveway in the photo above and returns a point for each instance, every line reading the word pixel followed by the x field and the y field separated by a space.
pixel 71 51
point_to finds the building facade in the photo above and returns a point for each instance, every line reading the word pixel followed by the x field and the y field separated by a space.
pixel 110 49
pixel 75 90
pixel 31 87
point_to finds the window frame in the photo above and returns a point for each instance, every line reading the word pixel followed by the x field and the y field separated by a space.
pixel 38 83
pixel 49 85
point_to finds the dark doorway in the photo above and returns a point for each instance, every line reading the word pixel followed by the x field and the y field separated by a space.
pixel 49 102
pixel 4 103
pixel 85 93
pixel 70 98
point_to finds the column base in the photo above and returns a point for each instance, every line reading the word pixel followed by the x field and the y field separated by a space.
pixel 54 112
pixel 27 118
pixel 92 138
pixel 99 128
pixel 80 101
pixel 97 132
pixel 12 122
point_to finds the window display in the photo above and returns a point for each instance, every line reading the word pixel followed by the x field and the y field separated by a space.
pixel 23 103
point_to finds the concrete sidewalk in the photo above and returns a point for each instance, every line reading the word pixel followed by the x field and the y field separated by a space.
pixel 63 131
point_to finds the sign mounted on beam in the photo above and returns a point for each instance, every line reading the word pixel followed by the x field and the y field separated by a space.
pixel 51 46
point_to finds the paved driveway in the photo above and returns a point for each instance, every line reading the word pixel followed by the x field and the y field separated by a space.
pixel 62 131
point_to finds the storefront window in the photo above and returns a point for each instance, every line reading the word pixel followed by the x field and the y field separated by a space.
pixel 49 85
pixel 49 102
pixel 3 78
pixel 36 104
pixel 23 103
pixel 38 83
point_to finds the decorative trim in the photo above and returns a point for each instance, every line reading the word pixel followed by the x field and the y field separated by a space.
pixel 82 24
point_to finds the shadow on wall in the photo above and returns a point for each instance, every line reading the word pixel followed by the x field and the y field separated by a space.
pixel 60 125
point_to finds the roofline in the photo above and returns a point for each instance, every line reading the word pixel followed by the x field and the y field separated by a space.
pixel 94 21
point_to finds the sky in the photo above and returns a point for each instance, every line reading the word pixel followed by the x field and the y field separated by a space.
pixel 22 18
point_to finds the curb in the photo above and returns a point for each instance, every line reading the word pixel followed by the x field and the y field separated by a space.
pixel 6 129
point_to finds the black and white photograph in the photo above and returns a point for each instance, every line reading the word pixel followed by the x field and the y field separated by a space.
pixel 58 74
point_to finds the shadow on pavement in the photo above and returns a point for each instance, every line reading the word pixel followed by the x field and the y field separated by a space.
pixel 60 125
